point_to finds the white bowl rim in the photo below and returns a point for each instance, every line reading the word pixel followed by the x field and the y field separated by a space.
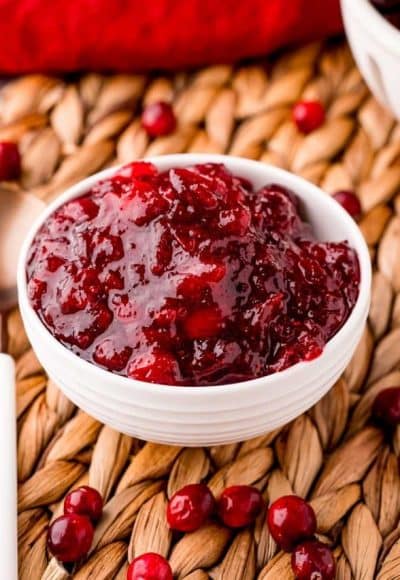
pixel 183 159
pixel 373 21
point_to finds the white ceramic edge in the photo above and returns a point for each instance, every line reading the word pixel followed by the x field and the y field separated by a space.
pixel 375 43
pixel 216 399
pixel 376 24
pixel 278 175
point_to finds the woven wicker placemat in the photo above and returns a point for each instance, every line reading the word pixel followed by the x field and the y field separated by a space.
pixel 333 454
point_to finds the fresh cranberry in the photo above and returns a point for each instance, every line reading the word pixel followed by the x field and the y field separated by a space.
pixel 149 567
pixel 85 501
pixel 349 201
pixel 10 161
pixel 69 537
pixel 386 407
pixel 239 505
pixel 190 507
pixel 313 560
pixel 159 119
pixel 290 521
pixel 308 116
pixel 189 277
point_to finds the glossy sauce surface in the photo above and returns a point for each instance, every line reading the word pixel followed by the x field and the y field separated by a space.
pixel 189 277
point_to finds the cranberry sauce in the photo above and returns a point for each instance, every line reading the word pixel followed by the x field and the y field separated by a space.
pixel 390 9
pixel 189 277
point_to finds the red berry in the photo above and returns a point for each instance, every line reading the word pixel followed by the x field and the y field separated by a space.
pixel 10 161
pixel 155 367
pixel 190 507
pixel 203 323
pixel 81 209
pixel 71 298
pixel 85 501
pixel 234 221
pixel 53 263
pixel 290 521
pixel 69 537
pixel 313 560
pixel 386 407
pixel 114 281
pixel 110 356
pixel 308 115
pixel 158 119
pixel 36 289
pixel 239 505
pixel 149 567
pixel 349 201
pixel 138 169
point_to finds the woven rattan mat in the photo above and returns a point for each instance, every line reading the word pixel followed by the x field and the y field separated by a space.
pixel 333 454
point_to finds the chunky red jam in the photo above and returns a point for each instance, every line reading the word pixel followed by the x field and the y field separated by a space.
pixel 390 9
pixel 189 277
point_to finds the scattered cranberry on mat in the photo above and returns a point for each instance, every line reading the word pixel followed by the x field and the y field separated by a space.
pixel 290 521
pixel 158 119
pixel 308 115
pixel 10 161
pixel 85 501
pixel 190 507
pixel 349 201
pixel 386 407
pixel 149 567
pixel 313 560
pixel 69 537
pixel 239 505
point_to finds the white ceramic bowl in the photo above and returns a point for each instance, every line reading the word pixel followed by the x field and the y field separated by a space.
pixel 197 416
pixel 376 47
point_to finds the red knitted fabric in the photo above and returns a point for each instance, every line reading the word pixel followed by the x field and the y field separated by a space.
pixel 135 35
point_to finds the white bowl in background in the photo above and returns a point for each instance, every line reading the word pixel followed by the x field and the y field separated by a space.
pixel 196 416
pixel 376 47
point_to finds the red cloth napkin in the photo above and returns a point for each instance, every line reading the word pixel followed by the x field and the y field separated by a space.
pixel 134 35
